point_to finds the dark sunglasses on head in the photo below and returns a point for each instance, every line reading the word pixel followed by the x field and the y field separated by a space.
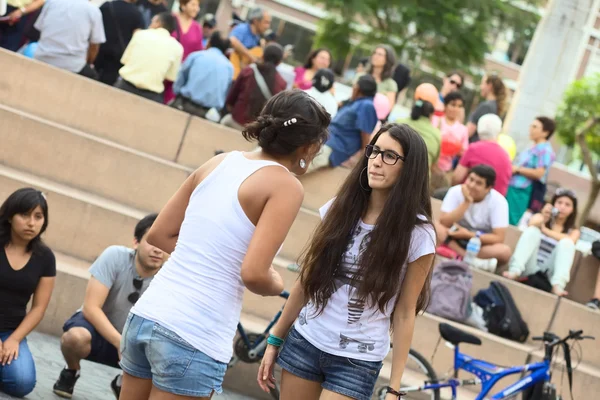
pixel 457 84
pixel 388 156
pixel 565 192
pixel 135 296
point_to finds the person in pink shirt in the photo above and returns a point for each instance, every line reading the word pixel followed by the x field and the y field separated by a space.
pixel 486 151
pixel 188 33
pixel 455 136
pixel 317 59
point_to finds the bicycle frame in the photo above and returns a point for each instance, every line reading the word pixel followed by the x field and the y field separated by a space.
pixel 488 375
pixel 258 347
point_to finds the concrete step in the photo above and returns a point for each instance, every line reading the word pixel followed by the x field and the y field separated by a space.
pixel 90 106
pixel 87 162
pixel 574 316
pixel 80 224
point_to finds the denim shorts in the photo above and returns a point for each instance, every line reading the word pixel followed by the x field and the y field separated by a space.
pixel 150 351
pixel 347 376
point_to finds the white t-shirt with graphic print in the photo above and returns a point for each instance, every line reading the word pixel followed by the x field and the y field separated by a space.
pixel 347 328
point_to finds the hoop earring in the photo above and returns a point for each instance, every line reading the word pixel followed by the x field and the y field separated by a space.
pixel 302 163
pixel 367 189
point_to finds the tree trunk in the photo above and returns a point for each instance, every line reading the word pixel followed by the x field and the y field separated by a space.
pixel 587 158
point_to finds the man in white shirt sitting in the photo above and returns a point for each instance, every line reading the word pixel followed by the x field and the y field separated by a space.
pixel 475 207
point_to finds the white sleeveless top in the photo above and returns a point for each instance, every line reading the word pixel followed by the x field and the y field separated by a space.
pixel 198 292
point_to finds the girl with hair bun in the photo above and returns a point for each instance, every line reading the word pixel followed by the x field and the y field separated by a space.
pixel 223 228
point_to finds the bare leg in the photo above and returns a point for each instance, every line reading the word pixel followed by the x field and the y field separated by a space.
pixel 135 388
pixel 158 394
pixel 296 388
pixel 597 291
pixel 441 231
pixel 499 251
pixel 75 344
pixel 327 395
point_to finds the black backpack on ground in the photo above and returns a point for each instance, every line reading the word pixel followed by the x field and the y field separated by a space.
pixel 501 313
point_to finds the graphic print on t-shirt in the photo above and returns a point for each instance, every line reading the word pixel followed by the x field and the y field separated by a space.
pixel 355 335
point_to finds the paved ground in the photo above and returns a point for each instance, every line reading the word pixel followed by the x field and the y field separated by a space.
pixel 94 383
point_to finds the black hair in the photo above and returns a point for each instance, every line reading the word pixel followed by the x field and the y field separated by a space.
pixel 367 85
pixel 143 226
pixel 486 172
pixel 452 96
pixel 270 36
pixel 272 57
pixel 422 108
pixel 167 21
pixel 363 61
pixel 548 125
pixel 218 41
pixel 23 201
pixel 290 119
pixel 309 60
pixel 323 80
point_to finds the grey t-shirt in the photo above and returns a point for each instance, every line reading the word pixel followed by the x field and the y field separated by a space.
pixel 67 27
pixel 115 269
pixel 487 107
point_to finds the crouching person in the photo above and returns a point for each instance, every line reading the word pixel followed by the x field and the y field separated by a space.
pixel 119 277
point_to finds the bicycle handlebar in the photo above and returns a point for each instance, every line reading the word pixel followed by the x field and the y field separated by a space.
pixel 552 339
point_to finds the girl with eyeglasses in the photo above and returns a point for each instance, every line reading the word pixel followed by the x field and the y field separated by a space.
pixel 223 228
pixel 27 269
pixel 547 246
pixel 366 270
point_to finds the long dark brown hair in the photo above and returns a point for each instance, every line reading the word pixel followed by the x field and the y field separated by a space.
pixel 381 265
pixel 499 91
pixel 390 61
pixel 570 221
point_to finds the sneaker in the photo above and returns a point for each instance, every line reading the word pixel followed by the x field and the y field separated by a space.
pixel 66 383
pixel 594 304
pixel 488 265
pixel 115 385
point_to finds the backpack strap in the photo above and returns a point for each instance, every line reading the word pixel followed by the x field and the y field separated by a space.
pixel 260 81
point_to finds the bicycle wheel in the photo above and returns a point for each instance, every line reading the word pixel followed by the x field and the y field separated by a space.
pixel 417 372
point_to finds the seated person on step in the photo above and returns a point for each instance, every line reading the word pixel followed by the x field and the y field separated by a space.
pixel 204 78
pixel 548 244
pixel 119 277
pixel 151 57
pixel 351 128
pixel 475 207
pixel 27 269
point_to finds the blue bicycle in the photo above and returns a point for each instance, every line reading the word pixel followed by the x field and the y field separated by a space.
pixel 250 347
pixel 538 376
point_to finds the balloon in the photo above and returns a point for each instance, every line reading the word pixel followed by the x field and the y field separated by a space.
pixel 382 106
pixel 427 92
pixel 508 144
pixel 450 146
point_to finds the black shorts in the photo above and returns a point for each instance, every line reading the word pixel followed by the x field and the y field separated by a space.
pixel 102 351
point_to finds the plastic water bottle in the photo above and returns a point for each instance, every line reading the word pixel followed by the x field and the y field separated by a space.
pixel 473 248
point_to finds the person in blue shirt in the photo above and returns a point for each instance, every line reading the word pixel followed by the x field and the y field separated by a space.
pixel 204 78
pixel 350 131
pixel 246 36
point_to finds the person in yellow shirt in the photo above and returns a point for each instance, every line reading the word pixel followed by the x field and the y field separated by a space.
pixel 151 57
pixel 12 30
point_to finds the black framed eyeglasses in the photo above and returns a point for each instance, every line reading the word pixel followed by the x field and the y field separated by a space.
pixel 389 157
pixel 135 296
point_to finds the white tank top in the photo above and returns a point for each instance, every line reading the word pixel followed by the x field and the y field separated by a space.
pixel 198 292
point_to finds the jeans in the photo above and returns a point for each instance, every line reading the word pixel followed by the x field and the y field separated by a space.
pixel 18 378
pixel 524 259
pixel 12 36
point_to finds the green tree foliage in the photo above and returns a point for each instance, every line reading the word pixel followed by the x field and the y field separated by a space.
pixel 446 33
pixel 578 122
pixel 581 102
